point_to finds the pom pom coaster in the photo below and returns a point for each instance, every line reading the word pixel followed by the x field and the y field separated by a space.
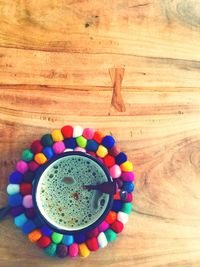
pixel 21 194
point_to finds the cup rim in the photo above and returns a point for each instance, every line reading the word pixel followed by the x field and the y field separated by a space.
pixel 38 175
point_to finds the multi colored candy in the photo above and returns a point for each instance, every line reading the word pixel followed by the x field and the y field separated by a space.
pixel 19 189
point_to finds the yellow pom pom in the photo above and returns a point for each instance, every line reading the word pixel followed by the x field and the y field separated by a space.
pixel 102 151
pixel 57 136
pixel 127 166
pixel 34 236
pixel 84 250
pixel 40 158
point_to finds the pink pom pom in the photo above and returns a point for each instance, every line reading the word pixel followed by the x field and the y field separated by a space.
pixel 58 147
pixel 28 201
pixel 128 176
pixel 88 133
pixel 103 226
pixel 33 165
pixel 21 166
pixel 115 171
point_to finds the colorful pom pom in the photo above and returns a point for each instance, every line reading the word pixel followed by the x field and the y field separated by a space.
pixel 109 161
pixel 83 250
pixel 73 250
pixel 46 231
pixel 67 131
pixel 122 217
pixel 57 135
pixel 28 227
pixel 34 236
pixel 20 220
pixel 15 200
pixel 117 205
pixel 28 201
pixel 56 237
pixel 44 242
pixel 15 178
pixel 15 211
pixel 102 240
pixel 77 131
pixel 92 145
pixel 40 158
pixel 68 240
pixel 115 171
pixel 26 188
pixel 102 151
pixel 88 133
pixel 103 226
pixel 127 208
pixel 79 238
pixel 58 147
pixel 108 141
pixel 117 226
pixel 81 141
pixel 70 143
pixel 92 244
pixel 126 166
pixel 13 189
pixel 28 177
pixel 21 166
pixel 121 158
pixel 62 251
pixel 36 146
pixel 114 151
pixel 47 140
pixel 111 217
pixel 48 152
pixel 30 213
pixel 33 166
pixel 93 233
pixel 128 186
pixel 98 136
pixel 110 235
pixel 27 155
pixel 51 249
pixel 128 176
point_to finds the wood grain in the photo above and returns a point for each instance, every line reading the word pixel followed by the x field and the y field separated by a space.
pixel 55 58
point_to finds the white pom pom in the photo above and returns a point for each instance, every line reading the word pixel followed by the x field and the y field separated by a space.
pixel 122 217
pixel 77 131
pixel 102 240
pixel 13 189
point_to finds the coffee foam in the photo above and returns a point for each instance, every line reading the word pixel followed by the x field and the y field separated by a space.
pixel 69 206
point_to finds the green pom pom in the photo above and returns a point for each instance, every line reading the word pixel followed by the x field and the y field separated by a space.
pixel 81 141
pixel 110 235
pixel 47 140
pixel 51 249
pixel 56 237
pixel 127 208
pixel 27 155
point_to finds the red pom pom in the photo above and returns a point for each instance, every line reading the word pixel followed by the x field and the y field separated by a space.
pixel 111 217
pixel 36 147
pixel 33 165
pixel 109 161
pixel 92 244
pixel 67 131
pixel 93 233
pixel 44 242
pixel 26 188
pixel 117 226
pixel 98 136
pixel 114 151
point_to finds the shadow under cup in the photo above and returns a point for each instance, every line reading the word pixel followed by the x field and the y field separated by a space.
pixel 60 199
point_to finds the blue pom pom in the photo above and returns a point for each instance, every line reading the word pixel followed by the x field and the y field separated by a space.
pixel 15 178
pixel 20 220
pixel 48 151
pixel 38 222
pixel 128 186
pixel 28 227
pixel 121 158
pixel 117 205
pixel 79 238
pixel 68 240
pixel 108 141
pixel 70 143
pixel 46 230
pixel 92 145
pixel 15 200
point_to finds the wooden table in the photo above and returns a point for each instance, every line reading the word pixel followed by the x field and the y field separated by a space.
pixel 62 62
